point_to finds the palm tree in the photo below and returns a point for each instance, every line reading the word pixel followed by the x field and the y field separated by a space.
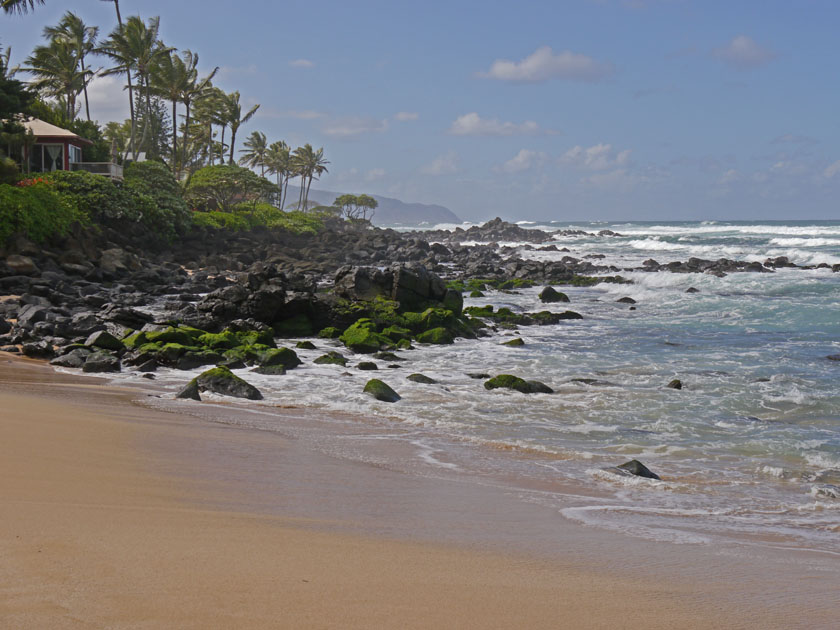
pixel 192 89
pixel 278 161
pixel 169 78
pixel 135 48
pixel 256 151
pixel 82 38
pixel 310 165
pixel 19 6
pixel 57 73
pixel 209 109
pixel 232 110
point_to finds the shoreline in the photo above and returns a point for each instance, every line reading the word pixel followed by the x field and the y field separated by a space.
pixel 153 517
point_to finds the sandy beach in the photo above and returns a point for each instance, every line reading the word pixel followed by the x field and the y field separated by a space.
pixel 108 520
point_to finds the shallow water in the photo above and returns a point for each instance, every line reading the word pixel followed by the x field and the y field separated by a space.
pixel 748 450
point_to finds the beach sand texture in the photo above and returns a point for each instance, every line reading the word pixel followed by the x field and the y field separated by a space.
pixel 101 529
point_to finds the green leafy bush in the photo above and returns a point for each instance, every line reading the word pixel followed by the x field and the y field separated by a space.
pixel 37 211
pixel 96 195
pixel 155 180
pixel 248 216
pixel 222 186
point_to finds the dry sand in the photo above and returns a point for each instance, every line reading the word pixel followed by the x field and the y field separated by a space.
pixel 99 529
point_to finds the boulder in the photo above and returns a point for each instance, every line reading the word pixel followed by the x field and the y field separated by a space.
pixel 626 300
pixel 549 295
pixel 221 380
pixel 438 336
pixel 4 326
pixel 279 356
pixel 637 468
pixel 305 345
pixel 508 381
pixel 515 342
pixel 833 357
pixel 190 391
pixel 38 350
pixel 362 283
pixel 22 265
pixel 421 378
pixel 362 337
pixel 381 391
pixel 30 315
pixel 367 365
pixel 331 358
pixel 73 359
pixel 101 362
pixel 104 340
pixel 675 384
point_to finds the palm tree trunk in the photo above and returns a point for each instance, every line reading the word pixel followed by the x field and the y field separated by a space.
pixel 302 186
pixel 130 92
pixel 285 191
pixel 184 140
pixel 174 137
pixel 232 143
pixel 87 102
pixel 306 200
pixel 222 156
pixel 145 80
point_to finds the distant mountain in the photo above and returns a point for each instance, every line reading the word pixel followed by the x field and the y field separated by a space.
pixel 390 211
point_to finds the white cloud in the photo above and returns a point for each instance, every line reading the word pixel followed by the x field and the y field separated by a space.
pixel 445 164
pixel 108 99
pixel 523 161
pixel 406 116
pixel 302 63
pixel 544 64
pixel 474 125
pixel 596 158
pixel 352 127
pixel 832 170
pixel 743 52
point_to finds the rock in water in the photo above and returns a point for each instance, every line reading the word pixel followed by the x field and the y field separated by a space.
pixel 626 300
pixel 516 341
pixel 549 295
pixel 101 362
pixel 190 391
pixel 675 384
pixel 833 357
pixel 421 378
pixel 222 381
pixel 637 468
pixel 508 381
pixel 105 340
pixel 381 391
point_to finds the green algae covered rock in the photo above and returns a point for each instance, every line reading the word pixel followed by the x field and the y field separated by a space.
pixel 509 381
pixel 221 380
pixel 515 342
pixel 367 365
pixel 182 336
pixel 397 333
pixel 436 336
pixel 362 337
pixel 331 358
pixel 104 340
pixel 135 340
pixel 279 356
pixel 330 332
pixel 421 378
pixel 549 295
pixel 381 391
pixel 271 370
pixel 305 345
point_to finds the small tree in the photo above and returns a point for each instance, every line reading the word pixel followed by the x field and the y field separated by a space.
pixel 224 186
pixel 355 208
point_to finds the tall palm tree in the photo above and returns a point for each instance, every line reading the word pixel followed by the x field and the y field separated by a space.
pixel 57 73
pixel 135 48
pixel 169 78
pixel 19 6
pixel 278 161
pixel 194 88
pixel 310 165
pixel 127 74
pixel 255 151
pixel 81 37
pixel 232 109
pixel 209 109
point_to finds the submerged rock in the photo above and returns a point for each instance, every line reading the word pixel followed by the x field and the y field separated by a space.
pixel 331 358
pixel 637 468
pixel 421 378
pixel 221 380
pixel 626 300
pixel 516 341
pixel 549 295
pixel 381 391
pixel 367 365
pixel 190 391
pixel 305 345
pixel 675 384
pixel 509 381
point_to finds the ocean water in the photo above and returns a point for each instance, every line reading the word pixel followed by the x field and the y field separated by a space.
pixel 748 450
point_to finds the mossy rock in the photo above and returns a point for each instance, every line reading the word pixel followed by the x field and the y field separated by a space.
pixel 675 384
pixel 172 335
pixel 404 344
pixel 225 340
pixel 515 283
pixel 257 337
pixel 297 326
pixel 221 380
pixel 381 391
pixel 190 391
pixel 330 332
pixel 101 361
pixel 421 378
pixel 191 359
pixel 104 340
pixel 387 356
pixel 438 336
pixel 509 381
pixel 367 365
pixel 397 333
pixel 331 358
pixel 305 345
pixel 279 356
pixel 476 294
pixel 569 315
pixel 550 295
pixel 515 342
pixel 271 370
pixel 171 352
pixel 362 337
pixel 135 340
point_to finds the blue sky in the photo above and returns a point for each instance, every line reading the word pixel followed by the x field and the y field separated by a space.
pixel 576 109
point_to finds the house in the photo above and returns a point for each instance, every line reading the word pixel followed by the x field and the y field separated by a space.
pixel 57 149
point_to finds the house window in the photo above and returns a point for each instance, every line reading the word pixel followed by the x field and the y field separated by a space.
pixel 75 154
pixel 44 158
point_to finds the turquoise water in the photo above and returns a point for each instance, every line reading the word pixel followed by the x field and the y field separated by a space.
pixel 749 449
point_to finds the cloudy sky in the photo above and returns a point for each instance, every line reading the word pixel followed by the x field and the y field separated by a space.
pixel 572 109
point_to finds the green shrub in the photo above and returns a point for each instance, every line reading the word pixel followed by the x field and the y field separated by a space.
pixel 9 171
pixel 221 221
pixel 155 181
pixel 99 197
pixel 224 185
pixel 37 211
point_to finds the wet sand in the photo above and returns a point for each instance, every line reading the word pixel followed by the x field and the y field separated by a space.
pixel 120 516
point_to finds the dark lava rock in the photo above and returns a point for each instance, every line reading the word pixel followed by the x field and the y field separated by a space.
pixel 38 350
pixel 4 326
pixel 73 359
pixel 331 358
pixel 105 340
pixel 692 290
pixel 626 300
pixel 833 357
pixel 421 378
pixel 508 381
pixel 675 384
pixel 367 365
pixel 305 345
pixel 478 375
pixel 101 362
pixel 271 370
pixel 381 391
pixel 221 380
pixel 549 295
pixel 637 468
pixel 148 366
pixel 190 391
